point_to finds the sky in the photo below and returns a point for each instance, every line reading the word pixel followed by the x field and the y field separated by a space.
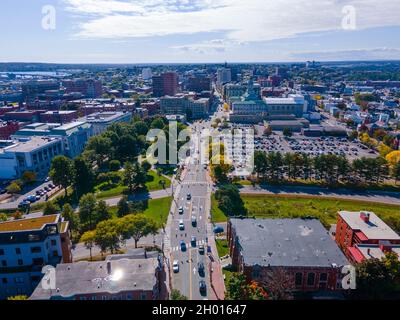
pixel 198 31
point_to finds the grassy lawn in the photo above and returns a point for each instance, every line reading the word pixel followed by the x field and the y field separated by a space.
pixel 222 247
pixel 158 210
pixel 216 214
pixel 152 184
pixel 325 209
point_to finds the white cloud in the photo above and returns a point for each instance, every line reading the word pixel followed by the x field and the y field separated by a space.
pixel 239 20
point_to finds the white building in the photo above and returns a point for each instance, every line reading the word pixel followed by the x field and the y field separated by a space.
pixel 25 247
pixel 102 120
pixel 28 154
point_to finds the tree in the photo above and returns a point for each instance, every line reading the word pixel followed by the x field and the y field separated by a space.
pixel 236 287
pixel 102 211
pixel 98 149
pixel 20 297
pixel 13 188
pixel 137 227
pixel 396 172
pixel 50 208
pixel 393 158
pixel 17 215
pixel 177 295
pixel 373 279
pixel 123 207
pixel 115 165
pixel 146 166
pixel 278 284
pixel 29 177
pixel 134 176
pixel 88 239
pixel 71 216
pixel 83 177
pixel 62 172
pixel 108 235
pixel 287 132
pixel 87 211
pixel 229 201
pixel 3 217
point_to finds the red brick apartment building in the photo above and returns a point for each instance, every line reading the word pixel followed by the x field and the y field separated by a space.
pixel 362 235
pixel 300 248
pixel 8 128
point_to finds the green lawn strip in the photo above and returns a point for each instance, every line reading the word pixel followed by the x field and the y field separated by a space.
pixel 292 206
pixel 153 184
pixel 222 247
pixel 216 213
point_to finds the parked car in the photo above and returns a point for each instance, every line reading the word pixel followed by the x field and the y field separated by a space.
pixel 193 241
pixel 189 196
pixel 47 188
pixel 24 204
pixel 175 266
pixel 181 225
pixel 218 229
pixel 180 210
pixel 194 221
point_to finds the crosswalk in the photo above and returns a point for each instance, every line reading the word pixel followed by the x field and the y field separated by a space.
pixel 194 183
pixel 188 245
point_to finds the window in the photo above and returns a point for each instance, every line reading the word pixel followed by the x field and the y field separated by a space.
pixel 19 280
pixel 38 261
pixel 18 250
pixel 33 237
pixel 53 242
pixel 4 263
pixel 299 279
pixel 323 277
pixel 20 262
pixel 4 280
pixel 36 249
pixel 311 279
pixel 1 252
pixel 129 296
pixel 143 296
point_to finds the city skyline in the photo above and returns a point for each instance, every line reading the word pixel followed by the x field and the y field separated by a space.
pixel 200 31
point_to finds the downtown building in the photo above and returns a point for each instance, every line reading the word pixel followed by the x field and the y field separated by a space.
pixel 300 250
pixel 89 88
pixel 137 275
pixel 26 246
pixel 184 104
pixel 363 235
pixel 166 84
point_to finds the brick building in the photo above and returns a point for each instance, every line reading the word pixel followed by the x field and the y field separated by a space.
pixel 165 84
pixel 59 116
pixel 7 129
pixel 301 248
pixel 358 230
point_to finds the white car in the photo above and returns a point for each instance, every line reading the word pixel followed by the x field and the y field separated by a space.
pixel 175 266
pixel 180 210
pixel 181 225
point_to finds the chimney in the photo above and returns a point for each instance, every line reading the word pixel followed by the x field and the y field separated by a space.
pixel 109 267
pixel 364 216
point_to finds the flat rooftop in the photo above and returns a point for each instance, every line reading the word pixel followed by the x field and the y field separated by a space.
pixel 286 243
pixel 31 144
pixel 28 224
pixel 81 278
pixel 375 229
pixel 283 101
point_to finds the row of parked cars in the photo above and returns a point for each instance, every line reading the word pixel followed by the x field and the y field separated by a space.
pixel 37 196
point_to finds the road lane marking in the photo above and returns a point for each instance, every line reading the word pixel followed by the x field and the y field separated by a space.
pixel 190 275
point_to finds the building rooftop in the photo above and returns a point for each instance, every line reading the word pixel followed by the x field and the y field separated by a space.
pixel 103 116
pixel 286 242
pixel 28 224
pixel 119 274
pixel 374 229
pixel 30 144
pixel 283 101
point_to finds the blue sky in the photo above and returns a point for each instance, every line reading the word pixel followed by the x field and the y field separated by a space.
pixel 151 31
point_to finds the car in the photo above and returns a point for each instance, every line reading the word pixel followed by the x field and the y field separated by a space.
pixel 201 269
pixel 182 244
pixel 181 225
pixel 201 249
pixel 189 196
pixel 175 266
pixel 180 210
pixel 202 286
pixel 47 179
pixel 218 229
pixel 23 205
pixel 37 198
pixel 193 241
pixel 47 188
pixel 38 192
pixel 194 221
pixel 52 186
pixel 31 198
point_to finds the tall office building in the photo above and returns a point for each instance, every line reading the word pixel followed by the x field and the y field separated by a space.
pixel 224 75
pixel 165 84
pixel 32 89
pixel 146 73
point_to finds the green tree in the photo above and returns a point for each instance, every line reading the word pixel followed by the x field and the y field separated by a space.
pixel 146 166
pixel 396 172
pixel 87 211
pixel 13 188
pixel 229 201
pixel 89 240
pixel 83 177
pixel 20 297
pixel 177 295
pixel 3 217
pixel 123 207
pixel 62 172
pixel 236 287
pixel 137 227
pixel 115 165
pixel 134 176
pixel 70 215
pixel 102 211
pixel 50 208
pixel 108 236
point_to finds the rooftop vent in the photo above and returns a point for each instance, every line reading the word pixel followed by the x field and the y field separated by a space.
pixel 364 216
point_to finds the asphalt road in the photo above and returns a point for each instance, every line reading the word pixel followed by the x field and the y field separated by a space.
pixel 196 184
